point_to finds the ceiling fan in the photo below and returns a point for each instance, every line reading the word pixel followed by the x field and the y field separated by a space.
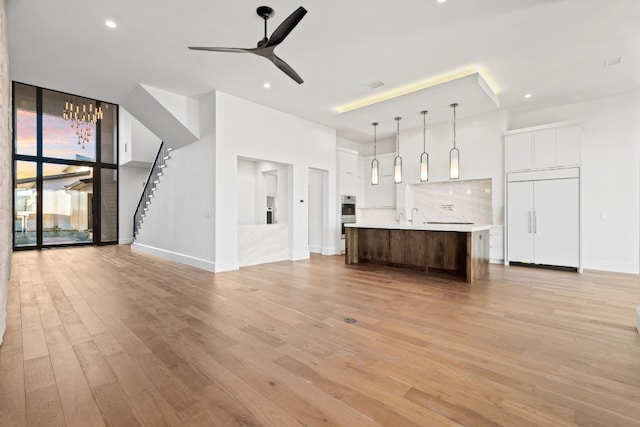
pixel 268 44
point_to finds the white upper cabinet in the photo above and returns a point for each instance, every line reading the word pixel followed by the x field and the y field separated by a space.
pixel 518 151
pixel 347 171
pixel 542 148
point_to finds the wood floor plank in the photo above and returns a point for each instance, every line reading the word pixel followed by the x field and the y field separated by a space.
pixel 43 407
pixel 151 408
pixel 12 387
pixel 113 405
pixel 111 336
pixel 75 396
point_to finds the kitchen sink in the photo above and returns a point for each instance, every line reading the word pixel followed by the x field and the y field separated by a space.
pixel 453 223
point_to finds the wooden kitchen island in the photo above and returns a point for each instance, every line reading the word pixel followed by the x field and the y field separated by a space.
pixel 455 249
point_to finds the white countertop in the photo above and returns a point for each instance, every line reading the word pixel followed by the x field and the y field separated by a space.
pixel 462 228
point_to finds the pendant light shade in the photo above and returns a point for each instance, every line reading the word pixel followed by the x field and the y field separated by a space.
pixel 397 161
pixel 424 157
pixel 454 154
pixel 375 164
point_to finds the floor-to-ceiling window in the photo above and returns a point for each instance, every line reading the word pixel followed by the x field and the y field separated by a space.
pixel 65 169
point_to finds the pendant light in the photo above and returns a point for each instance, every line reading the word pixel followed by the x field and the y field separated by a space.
pixel 397 161
pixel 424 157
pixel 454 154
pixel 375 169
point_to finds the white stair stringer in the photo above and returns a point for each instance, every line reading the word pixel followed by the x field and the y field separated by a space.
pixel 158 169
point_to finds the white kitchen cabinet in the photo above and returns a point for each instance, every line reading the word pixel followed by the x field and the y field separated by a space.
pixel 544 220
pixel 543 147
pixel 520 231
pixel 382 195
pixel 347 162
pixel 518 151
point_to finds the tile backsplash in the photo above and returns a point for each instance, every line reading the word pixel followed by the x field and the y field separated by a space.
pixel 453 201
pixel 383 216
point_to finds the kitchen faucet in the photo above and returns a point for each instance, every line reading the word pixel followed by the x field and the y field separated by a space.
pixel 410 221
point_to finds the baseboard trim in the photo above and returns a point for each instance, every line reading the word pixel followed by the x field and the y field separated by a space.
pixel 315 249
pixel 298 255
pixel 329 251
pixel 127 241
pixel 323 250
pixel 226 267
pixel 610 267
pixel 178 257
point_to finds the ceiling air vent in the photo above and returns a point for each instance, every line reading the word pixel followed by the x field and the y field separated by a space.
pixel 375 84
pixel 612 61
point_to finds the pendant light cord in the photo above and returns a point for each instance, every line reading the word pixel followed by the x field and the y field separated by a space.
pixel 398 136
pixel 375 139
pixel 424 131
pixel 454 125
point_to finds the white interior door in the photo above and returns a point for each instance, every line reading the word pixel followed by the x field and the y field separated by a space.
pixel 556 222
pixel 520 227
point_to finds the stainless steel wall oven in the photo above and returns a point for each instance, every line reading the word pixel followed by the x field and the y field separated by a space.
pixel 347 212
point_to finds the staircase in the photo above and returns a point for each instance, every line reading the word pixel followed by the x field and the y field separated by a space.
pixel 150 186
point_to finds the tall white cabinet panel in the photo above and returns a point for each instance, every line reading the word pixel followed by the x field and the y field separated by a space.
pixel 520 233
pixel 544 218
pixel 556 222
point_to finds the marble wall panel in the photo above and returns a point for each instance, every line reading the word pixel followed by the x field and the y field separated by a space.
pixel 453 201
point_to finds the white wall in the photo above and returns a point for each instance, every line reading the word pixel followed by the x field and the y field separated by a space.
pixel 138 149
pixel 245 129
pixel 138 145
pixel 6 192
pixel 316 183
pixel 180 222
pixel 247 211
pixel 132 181
pixel 609 176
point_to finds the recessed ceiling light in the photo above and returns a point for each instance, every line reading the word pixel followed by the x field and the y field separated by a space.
pixel 528 96
pixel 267 85
pixel 109 23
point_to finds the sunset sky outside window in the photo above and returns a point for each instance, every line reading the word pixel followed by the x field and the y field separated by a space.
pixel 59 138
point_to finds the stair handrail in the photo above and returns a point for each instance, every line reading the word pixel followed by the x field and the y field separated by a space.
pixel 146 192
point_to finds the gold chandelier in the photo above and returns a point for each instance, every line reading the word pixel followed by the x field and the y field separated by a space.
pixel 83 117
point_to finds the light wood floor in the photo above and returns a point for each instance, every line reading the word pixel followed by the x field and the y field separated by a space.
pixel 110 336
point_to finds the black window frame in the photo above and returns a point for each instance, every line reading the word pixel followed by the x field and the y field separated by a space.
pixel 97 166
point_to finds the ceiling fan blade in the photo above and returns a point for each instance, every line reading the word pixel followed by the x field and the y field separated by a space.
pixel 287 25
pixel 221 49
pixel 287 69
